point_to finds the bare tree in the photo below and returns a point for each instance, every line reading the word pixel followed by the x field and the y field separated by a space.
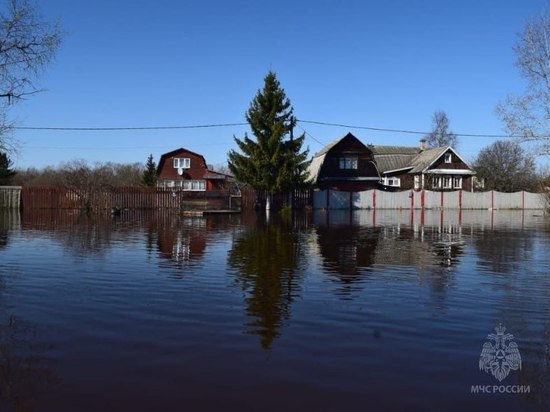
pixel 506 167
pixel 27 45
pixel 528 115
pixel 441 135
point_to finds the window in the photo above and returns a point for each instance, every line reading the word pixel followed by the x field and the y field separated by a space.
pixel 182 163
pixel 392 181
pixel 194 185
pixel 457 182
pixel 448 158
pixel 447 182
pixel 348 162
pixel 417 182
pixel 437 182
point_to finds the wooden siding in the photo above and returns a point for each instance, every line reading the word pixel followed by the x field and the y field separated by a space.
pixel 196 170
pixel 332 177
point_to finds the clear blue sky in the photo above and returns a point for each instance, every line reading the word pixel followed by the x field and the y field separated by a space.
pixel 386 64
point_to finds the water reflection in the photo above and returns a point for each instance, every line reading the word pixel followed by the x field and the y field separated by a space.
pixel 269 260
pixel 166 296
pixel 24 371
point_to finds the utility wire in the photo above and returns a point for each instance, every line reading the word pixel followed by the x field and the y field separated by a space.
pixel 402 131
pixel 93 129
pixel 205 126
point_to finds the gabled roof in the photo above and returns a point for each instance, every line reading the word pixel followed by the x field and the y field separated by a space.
pixel 175 152
pixel 317 162
pixel 426 158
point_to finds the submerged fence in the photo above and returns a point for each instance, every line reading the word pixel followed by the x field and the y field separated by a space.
pixel 125 198
pixel 377 199
pixel 10 197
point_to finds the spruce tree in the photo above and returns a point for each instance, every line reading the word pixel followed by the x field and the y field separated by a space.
pixel 6 170
pixel 272 161
pixel 149 177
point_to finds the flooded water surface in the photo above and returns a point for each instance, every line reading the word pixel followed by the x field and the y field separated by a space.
pixel 334 312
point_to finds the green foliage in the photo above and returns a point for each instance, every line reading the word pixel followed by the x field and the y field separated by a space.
pixel 274 160
pixel 6 170
pixel 149 177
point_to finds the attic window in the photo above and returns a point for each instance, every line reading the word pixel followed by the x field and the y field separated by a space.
pixel 448 158
pixel 182 163
pixel 348 162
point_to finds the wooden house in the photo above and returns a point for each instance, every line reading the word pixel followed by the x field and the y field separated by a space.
pixel 188 171
pixel 345 165
pixel 438 168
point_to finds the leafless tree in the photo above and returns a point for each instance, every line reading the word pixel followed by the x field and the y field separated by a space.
pixel 441 135
pixel 27 45
pixel 506 167
pixel 528 115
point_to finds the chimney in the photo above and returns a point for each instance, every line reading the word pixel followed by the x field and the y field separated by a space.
pixel 422 144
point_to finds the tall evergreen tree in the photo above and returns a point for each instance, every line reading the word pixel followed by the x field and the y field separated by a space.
pixel 274 161
pixel 149 177
pixel 6 169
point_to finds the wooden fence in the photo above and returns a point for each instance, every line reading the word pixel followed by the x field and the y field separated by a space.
pixel 300 198
pixel 125 198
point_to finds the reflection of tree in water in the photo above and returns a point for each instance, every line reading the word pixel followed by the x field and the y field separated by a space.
pixel 23 372
pixel 269 260
pixel 346 252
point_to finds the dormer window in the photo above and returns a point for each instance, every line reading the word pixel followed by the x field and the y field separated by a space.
pixel 182 163
pixel 448 158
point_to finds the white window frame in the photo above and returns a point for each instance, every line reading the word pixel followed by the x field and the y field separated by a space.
pixel 448 158
pixel 348 163
pixel 447 182
pixel 457 182
pixel 182 163
pixel 194 185
pixel 436 183
pixel 417 181
pixel 392 181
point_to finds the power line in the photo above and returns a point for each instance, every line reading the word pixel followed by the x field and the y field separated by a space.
pixel 107 129
pixel 214 125
pixel 310 136
pixel 378 129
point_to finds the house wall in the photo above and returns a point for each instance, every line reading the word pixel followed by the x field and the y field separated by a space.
pixel 456 164
pixel 331 167
pixel 195 172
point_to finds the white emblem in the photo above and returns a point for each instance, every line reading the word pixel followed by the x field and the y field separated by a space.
pixel 500 356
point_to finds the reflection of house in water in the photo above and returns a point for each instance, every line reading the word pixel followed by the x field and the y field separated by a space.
pixel 347 250
pixel 183 241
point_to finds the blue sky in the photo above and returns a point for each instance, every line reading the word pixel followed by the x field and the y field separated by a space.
pixel 385 64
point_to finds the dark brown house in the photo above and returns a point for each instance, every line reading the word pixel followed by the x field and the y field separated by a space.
pixel 349 165
pixel 438 168
pixel 187 170
pixel 346 165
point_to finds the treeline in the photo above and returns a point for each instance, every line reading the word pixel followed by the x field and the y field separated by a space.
pixel 81 173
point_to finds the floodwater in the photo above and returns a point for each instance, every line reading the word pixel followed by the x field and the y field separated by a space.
pixel 329 311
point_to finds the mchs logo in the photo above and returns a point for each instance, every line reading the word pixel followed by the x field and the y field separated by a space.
pixel 500 355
